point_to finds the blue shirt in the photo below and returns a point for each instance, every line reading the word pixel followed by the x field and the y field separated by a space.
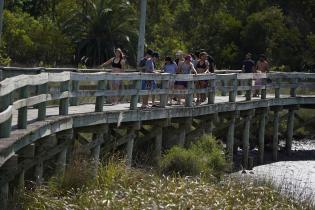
pixel 170 68
pixel 149 66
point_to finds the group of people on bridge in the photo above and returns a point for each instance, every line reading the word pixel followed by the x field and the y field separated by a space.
pixel 198 63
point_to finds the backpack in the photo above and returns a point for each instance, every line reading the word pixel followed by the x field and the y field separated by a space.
pixel 142 62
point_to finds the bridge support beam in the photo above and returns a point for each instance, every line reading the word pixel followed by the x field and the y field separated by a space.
pixel 275 140
pixel 4 196
pixel 246 131
pixel 9 167
pixel 98 138
pixel 38 173
pixel 261 134
pixel 158 144
pixel 64 138
pixel 290 127
pixel 131 135
pixel 230 136
pixel 184 128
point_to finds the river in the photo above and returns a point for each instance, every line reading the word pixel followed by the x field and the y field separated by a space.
pixel 295 176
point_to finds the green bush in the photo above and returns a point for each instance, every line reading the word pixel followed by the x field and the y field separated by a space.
pixel 205 157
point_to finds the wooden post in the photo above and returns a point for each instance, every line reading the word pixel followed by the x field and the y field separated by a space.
pixel 42 89
pixel 275 140
pixel 210 125
pixel 100 99
pixel 184 128
pixel 131 133
pixel 290 127
pixel 277 89
pixel 164 97
pixel 135 98
pixel 26 153
pixel 230 136
pixel 64 103
pixel 39 171
pixel 294 82
pixel 74 88
pixel 63 137
pixel 4 196
pixel 21 181
pixel 158 144
pixel 190 95
pixel 246 132
pixel 233 93
pixel 5 127
pixel 1 75
pixel 249 92
pixel 261 135
pixel 61 162
pixel 22 112
pixel 263 91
pixel 95 152
pixel 223 82
pixel 211 94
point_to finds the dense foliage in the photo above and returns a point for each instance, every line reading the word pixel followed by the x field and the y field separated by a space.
pixel 67 32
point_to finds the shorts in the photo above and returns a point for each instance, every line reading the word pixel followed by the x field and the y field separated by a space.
pixel 148 85
pixel 183 83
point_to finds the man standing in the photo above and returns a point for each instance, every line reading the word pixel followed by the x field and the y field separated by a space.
pixel 147 84
pixel 248 64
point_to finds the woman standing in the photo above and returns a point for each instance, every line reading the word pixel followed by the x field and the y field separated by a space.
pixel 118 65
pixel 202 67
pixel 187 67
pixel 170 67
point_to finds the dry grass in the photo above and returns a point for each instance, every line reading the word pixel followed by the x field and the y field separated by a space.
pixel 116 187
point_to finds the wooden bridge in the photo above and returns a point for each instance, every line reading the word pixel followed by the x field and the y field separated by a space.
pixel 42 115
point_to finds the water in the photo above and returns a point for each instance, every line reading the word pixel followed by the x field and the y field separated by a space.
pixel 295 178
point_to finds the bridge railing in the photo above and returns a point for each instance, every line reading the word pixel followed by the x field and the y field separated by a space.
pixel 16 94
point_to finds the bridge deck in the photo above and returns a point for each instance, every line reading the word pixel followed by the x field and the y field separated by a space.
pixel 90 108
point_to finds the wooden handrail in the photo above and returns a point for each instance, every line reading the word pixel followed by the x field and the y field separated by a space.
pixel 230 82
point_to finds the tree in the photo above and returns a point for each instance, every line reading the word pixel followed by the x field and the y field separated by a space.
pixel 100 27
pixel 30 41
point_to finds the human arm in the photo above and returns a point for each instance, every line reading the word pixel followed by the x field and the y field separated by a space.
pixel 194 71
pixel 107 62
pixel 207 71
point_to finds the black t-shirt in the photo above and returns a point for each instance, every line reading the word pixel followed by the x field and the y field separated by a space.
pixel 248 65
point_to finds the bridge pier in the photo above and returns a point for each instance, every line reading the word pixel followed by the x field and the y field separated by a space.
pixel 10 167
pixel 25 154
pixel 131 134
pixel 230 135
pixel 290 127
pixel 246 131
pixel 39 172
pixel 263 113
pixel 64 138
pixel 275 140
pixel 184 128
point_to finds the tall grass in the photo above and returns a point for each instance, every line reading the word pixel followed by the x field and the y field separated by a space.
pixel 116 187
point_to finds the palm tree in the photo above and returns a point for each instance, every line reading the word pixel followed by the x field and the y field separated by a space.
pixel 101 26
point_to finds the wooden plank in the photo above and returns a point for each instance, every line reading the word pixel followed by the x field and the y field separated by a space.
pixel 10 84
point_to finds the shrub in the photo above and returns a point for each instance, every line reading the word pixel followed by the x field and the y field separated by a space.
pixel 205 157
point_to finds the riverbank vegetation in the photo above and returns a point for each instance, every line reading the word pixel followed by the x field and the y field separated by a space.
pixel 116 187
pixel 72 33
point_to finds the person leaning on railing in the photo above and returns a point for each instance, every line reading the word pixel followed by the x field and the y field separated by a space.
pixel 170 67
pixel 118 66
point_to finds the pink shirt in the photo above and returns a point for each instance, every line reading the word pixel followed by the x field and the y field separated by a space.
pixel 263 66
